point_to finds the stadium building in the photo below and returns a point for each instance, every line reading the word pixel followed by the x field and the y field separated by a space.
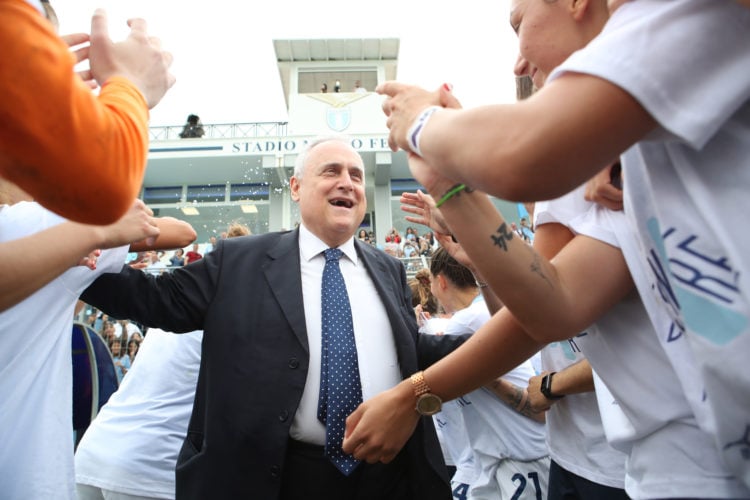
pixel 240 172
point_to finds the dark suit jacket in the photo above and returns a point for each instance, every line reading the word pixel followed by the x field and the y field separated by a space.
pixel 247 297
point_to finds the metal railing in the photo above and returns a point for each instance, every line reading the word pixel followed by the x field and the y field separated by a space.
pixel 412 265
pixel 222 131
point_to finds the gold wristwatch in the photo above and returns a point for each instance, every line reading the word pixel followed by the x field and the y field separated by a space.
pixel 427 402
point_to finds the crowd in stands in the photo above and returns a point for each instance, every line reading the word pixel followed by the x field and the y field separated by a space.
pixel 411 246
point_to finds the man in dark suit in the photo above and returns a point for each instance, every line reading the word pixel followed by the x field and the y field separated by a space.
pixel 254 431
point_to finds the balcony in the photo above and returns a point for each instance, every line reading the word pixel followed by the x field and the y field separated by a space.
pixel 222 131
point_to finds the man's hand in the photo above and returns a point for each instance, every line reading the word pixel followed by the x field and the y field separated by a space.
pixel 378 429
pixel 139 58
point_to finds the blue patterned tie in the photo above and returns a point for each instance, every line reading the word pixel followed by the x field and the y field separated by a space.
pixel 340 387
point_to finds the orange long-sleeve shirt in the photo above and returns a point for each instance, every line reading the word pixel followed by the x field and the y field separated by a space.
pixel 79 155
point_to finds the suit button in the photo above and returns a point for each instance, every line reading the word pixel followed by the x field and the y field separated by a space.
pixel 283 416
pixel 293 363
pixel 275 469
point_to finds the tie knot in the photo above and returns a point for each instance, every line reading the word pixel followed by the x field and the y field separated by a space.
pixel 333 254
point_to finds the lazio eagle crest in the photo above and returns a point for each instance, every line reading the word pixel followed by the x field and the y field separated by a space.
pixel 338 112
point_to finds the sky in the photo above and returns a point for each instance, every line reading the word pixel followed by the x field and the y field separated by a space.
pixel 225 63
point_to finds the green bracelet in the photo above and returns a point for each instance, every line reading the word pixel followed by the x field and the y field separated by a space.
pixel 450 194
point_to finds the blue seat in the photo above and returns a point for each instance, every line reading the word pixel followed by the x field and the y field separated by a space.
pixel 94 377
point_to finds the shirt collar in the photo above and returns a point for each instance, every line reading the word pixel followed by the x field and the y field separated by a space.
pixel 311 246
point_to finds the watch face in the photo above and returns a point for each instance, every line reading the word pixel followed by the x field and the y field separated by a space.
pixel 429 404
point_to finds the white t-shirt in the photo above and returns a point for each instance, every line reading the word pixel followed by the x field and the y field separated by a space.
pixel 36 444
pixel 495 431
pixel 449 423
pixel 668 454
pixel 131 446
pixel 687 184
pixel 455 441
pixel 575 436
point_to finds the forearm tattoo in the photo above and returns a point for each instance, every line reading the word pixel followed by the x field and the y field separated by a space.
pixel 514 398
pixel 503 237
pixel 537 268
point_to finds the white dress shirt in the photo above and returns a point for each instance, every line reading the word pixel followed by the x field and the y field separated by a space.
pixel 376 349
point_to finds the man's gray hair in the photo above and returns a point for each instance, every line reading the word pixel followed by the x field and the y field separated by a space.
pixel 299 163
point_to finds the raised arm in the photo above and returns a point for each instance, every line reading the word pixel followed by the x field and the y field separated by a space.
pixel 80 155
pixel 530 150
pixel 173 233
pixel 29 263
pixel 552 302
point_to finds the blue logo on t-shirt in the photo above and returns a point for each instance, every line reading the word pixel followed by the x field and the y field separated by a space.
pixel 696 285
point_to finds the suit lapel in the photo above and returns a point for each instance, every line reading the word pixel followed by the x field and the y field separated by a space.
pixel 282 273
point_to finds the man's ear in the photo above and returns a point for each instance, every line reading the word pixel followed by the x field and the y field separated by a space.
pixel 294 188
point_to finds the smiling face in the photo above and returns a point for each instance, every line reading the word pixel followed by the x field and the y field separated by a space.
pixel 331 191
pixel 550 30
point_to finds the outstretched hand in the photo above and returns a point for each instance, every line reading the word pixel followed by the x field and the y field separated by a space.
pixel 425 212
pixel 81 54
pixel 139 58
pixel 90 260
pixel 378 429
pixel 455 250
pixel 137 224
pixel 405 103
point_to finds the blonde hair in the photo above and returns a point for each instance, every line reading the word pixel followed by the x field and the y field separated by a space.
pixel 236 229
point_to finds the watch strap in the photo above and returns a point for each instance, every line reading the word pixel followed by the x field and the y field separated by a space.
pixel 419 384
pixel 546 388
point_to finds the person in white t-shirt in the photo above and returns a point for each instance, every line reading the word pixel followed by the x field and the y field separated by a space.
pixel 584 464
pixel 502 442
pixel 681 103
pixel 668 453
pixel 677 106
pixel 36 457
